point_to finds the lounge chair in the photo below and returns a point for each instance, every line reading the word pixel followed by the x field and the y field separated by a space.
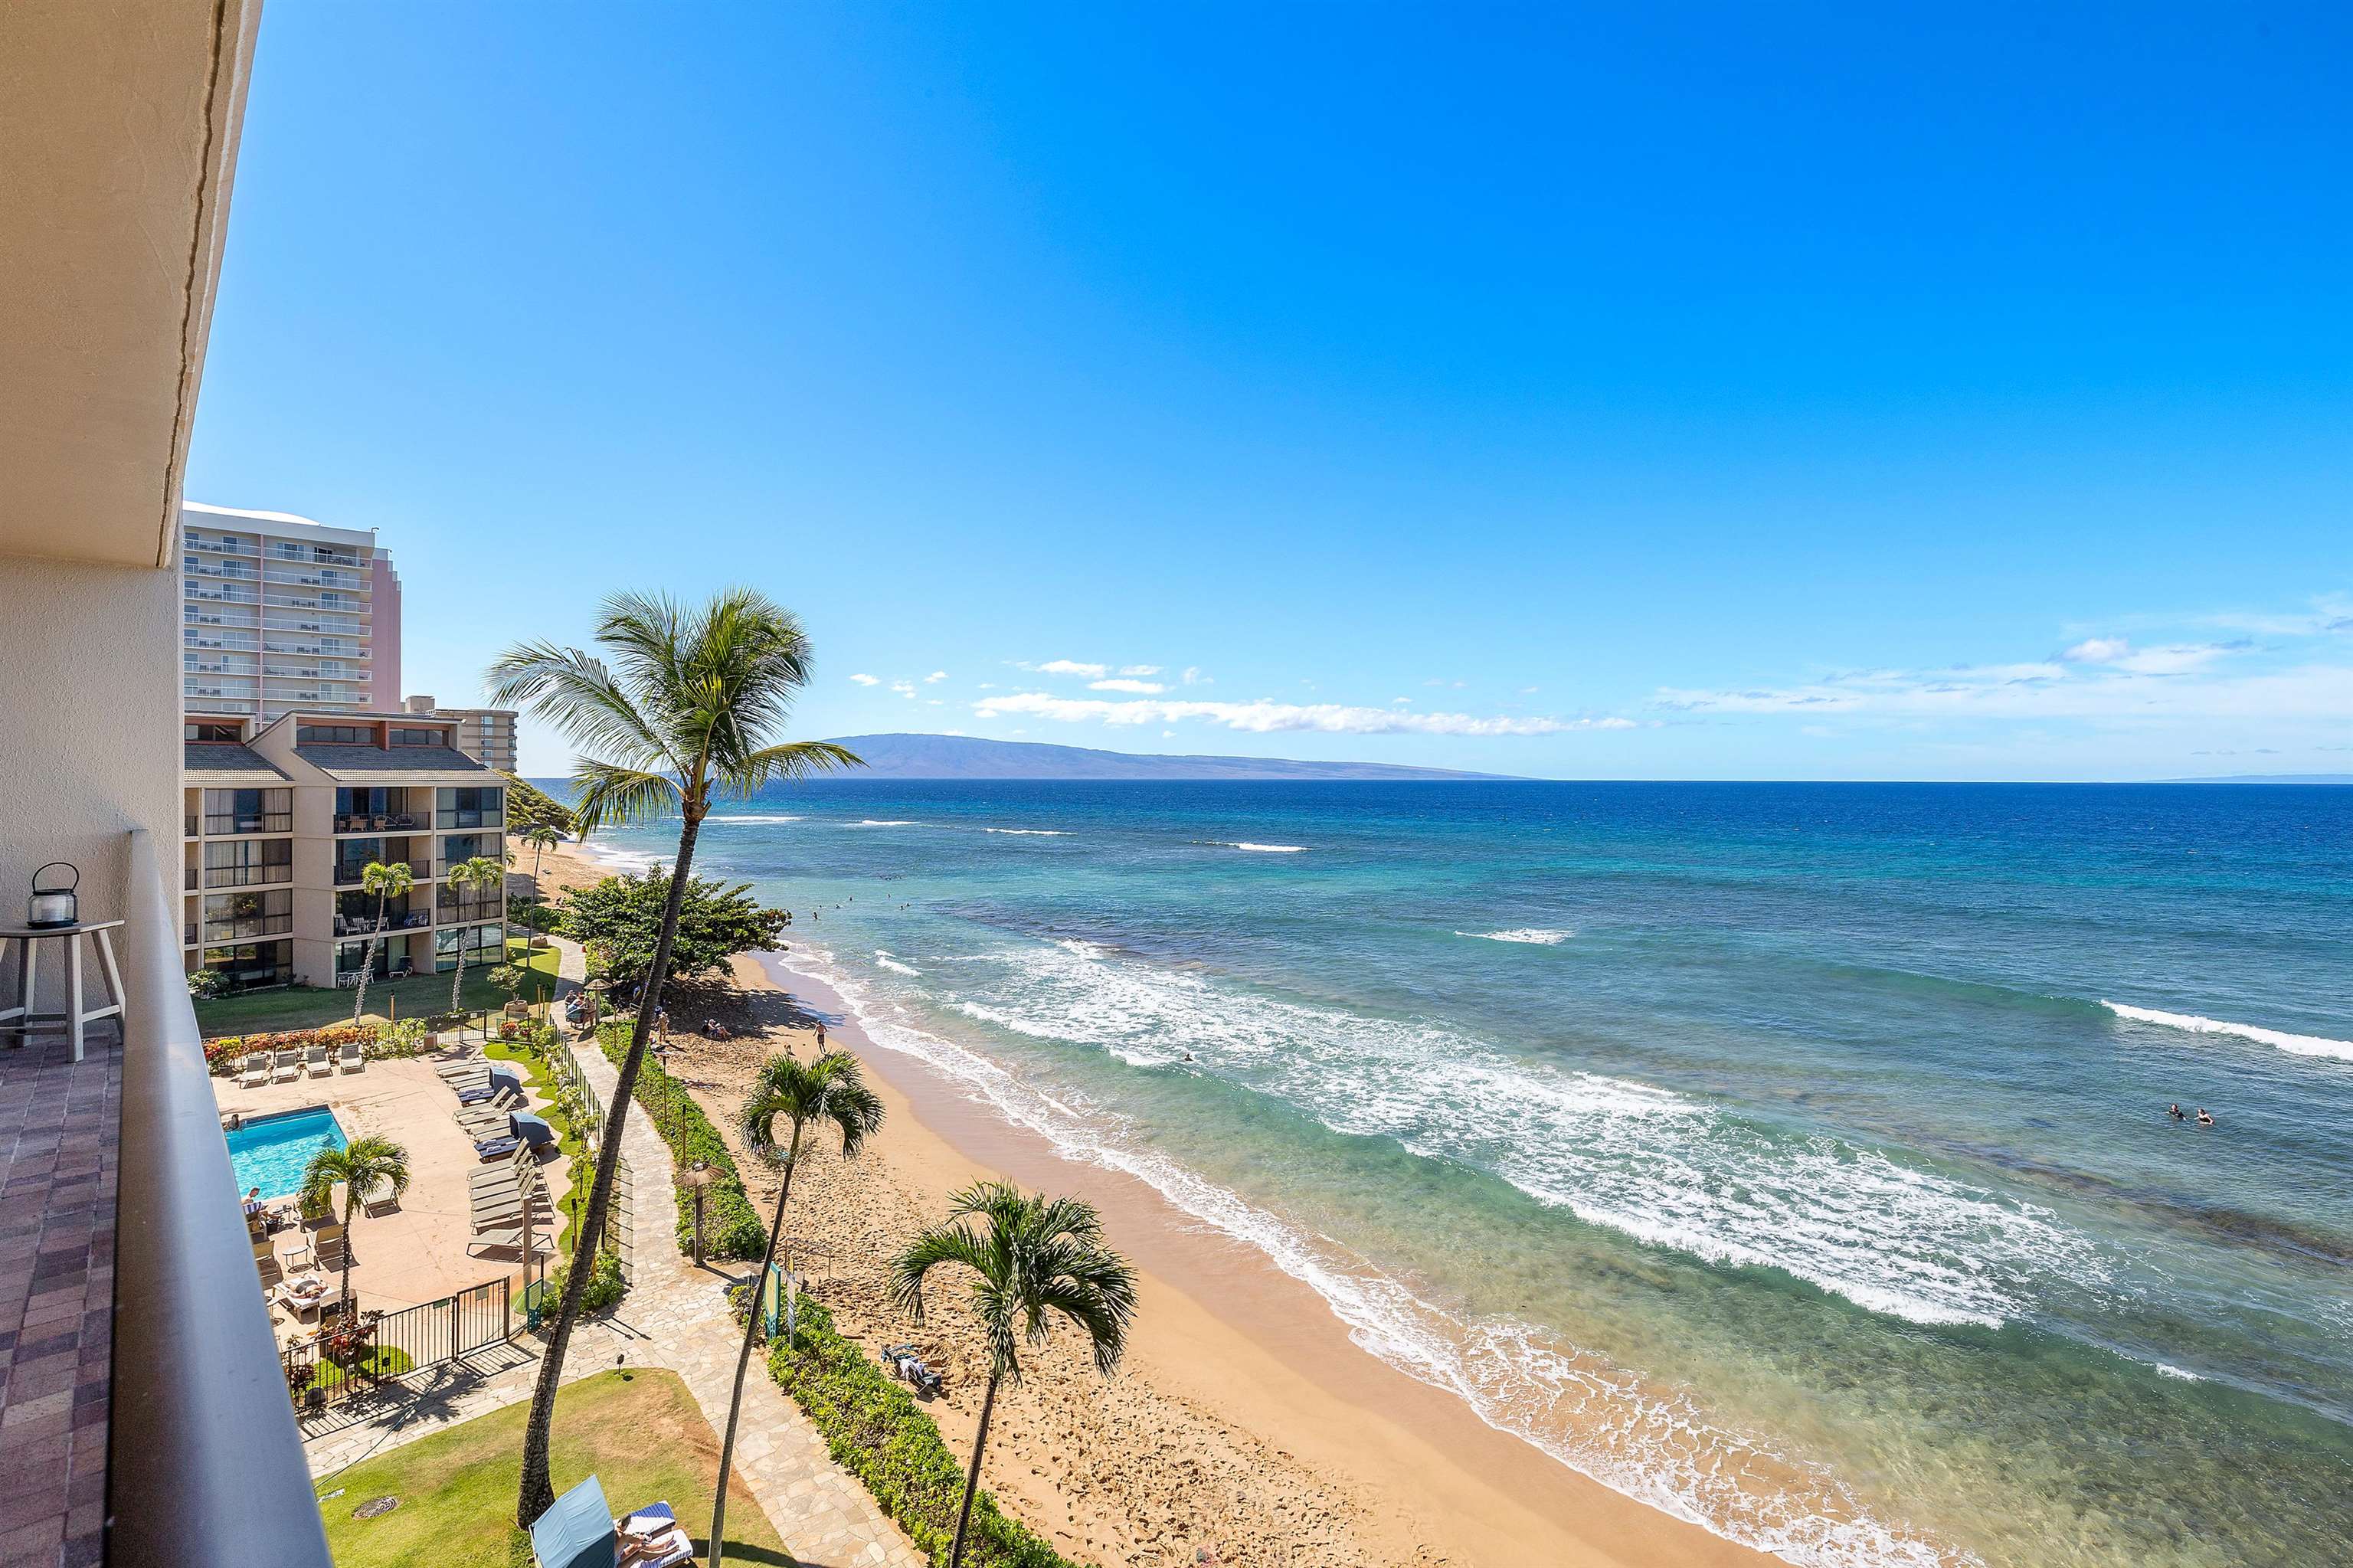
pixel 331 1256
pixel 286 1066
pixel 509 1238
pixel 303 1305
pixel 384 1202
pixel 352 1059
pixel 662 1542
pixel 266 1264
pixel 319 1061
pixel 497 1091
pixel 254 1070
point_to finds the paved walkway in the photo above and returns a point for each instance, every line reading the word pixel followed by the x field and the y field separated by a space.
pixel 675 1317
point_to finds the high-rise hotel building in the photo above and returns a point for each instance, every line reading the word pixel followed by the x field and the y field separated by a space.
pixel 280 613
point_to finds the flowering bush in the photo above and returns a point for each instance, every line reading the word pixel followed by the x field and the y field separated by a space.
pixel 223 1055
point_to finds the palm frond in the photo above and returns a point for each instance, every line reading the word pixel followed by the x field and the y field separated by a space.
pixel 953 1243
pixel 574 692
pixel 605 792
pixel 794 759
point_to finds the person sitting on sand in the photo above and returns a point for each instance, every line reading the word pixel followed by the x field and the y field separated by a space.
pixel 2176 1112
pixel 2203 1118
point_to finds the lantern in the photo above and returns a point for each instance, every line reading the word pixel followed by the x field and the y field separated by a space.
pixel 54 906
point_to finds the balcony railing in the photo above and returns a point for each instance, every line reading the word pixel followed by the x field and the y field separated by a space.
pixel 218 931
pixel 364 925
pixel 247 875
pixel 382 822
pixel 494 817
pixel 224 595
pixel 226 823
pixel 195 1360
pixel 222 544
pixel 348 876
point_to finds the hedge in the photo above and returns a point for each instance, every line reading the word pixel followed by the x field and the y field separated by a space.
pixel 222 1054
pixel 731 1227
pixel 875 1430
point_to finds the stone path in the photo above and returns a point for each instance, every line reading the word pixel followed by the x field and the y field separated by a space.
pixel 675 1317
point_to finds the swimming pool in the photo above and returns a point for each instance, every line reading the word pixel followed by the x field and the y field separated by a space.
pixel 272 1151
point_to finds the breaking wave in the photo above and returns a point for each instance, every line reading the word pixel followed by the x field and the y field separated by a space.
pixel 2301 1045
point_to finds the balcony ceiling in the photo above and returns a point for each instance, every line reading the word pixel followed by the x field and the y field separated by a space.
pixel 120 120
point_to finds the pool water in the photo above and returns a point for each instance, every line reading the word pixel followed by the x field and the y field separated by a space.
pixel 272 1152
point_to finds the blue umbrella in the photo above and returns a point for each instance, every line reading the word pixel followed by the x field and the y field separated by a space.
pixel 530 1129
pixel 576 1532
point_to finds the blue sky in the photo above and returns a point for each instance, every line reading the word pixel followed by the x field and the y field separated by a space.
pixel 1758 392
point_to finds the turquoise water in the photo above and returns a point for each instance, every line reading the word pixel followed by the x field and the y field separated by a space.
pixel 272 1152
pixel 1792 1156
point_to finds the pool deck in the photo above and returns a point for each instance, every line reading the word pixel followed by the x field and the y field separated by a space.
pixel 416 1252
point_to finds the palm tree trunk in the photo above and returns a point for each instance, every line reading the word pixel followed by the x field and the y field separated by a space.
pixel 972 1476
pixel 367 965
pixel 350 1203
pixel 458 979
pixel 744 1356
pixel 536 1493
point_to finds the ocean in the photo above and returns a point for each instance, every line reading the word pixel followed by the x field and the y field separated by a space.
pixel 1795 1158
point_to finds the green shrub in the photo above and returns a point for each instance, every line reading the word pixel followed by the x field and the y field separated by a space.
pixel 223 1053
pixel 877 1432
pixel 731 1226
pixel 604 1289
pixel 207 983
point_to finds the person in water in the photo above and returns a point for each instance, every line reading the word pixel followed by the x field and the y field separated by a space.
pixel 2176 1112
pixel 2204 1119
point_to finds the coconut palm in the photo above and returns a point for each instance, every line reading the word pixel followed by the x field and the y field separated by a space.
pixel 789 1093
pixel 388 883
pixel 541 837
pixel 683 713
pixel 365 1166
pixel 472 874
pixel 1035 1259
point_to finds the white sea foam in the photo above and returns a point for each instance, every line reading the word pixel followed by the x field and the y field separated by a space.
pixel 2166 1368
pixel 621 859
pixel 1532 934
pixel 1519 1378
pixel 1030 833
pixel 870 822
pixel 1259 849
pixel 748 819
pixel 893 965
pixel 1660 1167
pixel 2301 1045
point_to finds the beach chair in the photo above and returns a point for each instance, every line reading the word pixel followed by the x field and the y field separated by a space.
pixel 468 1066
pixel 660 1540
pixel 329 1251
pixel 273 1274
pixel 352 1058
pixel 384 1202
pixel 319 1063
pixel 253 1071
pixel 286 1066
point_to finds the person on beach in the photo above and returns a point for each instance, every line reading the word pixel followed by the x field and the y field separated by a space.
pixel 820 1036
pixel 2203 1118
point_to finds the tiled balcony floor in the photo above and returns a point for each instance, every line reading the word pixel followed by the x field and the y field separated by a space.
pixel 59 1121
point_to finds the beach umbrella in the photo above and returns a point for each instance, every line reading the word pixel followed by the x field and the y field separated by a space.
pixel 530 1129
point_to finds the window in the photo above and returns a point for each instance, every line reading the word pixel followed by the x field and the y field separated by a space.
pixel 248 811
pixel 377 810
pixel 213 734
pixel 420 737
pixel 235 916
pixel 250 964
pixel 478 806
pixel 466 846
pixel 474 938
pixel 333 735
pixel 243 862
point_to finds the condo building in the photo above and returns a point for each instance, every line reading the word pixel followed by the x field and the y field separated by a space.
pixel 487 735
pixel 282 819
pixel 280 612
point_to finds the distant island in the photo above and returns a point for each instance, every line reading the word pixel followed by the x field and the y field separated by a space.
pixel 2269 778
pixel 969 756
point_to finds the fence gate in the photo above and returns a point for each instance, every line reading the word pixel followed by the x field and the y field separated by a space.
pixel 415 1339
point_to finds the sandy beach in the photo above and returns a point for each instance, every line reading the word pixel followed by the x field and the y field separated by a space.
pixel 1242 1428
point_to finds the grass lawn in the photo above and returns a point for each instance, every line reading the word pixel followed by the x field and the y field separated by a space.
pixel 309 1007
pixel 639 1431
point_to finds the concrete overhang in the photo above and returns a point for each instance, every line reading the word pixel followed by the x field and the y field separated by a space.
pixel 119 125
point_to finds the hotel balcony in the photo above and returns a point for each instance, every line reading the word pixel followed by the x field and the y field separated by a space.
pixel 144 1416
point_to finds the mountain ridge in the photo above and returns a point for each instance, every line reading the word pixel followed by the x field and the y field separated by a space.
pixel 908 755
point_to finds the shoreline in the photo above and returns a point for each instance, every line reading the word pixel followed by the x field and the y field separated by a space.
pixel 1245 1426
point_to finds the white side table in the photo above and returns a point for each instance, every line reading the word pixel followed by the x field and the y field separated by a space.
pixel 21 1020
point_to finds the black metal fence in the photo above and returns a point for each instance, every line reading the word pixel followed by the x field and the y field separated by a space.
pixel 337 1366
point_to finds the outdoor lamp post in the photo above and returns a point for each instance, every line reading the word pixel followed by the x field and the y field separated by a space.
pixel 699 1178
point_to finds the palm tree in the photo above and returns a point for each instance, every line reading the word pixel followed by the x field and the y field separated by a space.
pixel 478 871
pixel 680 715
pixel 829 1090
pixel 1036 1256
pixel 365 1166
pixel 542 838
pixel 388 883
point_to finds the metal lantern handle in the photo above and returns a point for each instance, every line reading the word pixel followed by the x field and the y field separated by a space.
pixel 69 888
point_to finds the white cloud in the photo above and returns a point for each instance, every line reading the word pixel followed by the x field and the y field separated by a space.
pixel 1266 716
pixel 1069 667
pixel 1143 688
pixel 866 680
pixel 1139 669
pixel 933 702
pixel 2097 650
pixel 1528 691
pixel 1193 676
pixel 934 676
pixel 904 688
pixel 989 685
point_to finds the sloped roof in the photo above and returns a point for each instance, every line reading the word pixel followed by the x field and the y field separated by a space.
pixel 213 762
pixel 374 762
